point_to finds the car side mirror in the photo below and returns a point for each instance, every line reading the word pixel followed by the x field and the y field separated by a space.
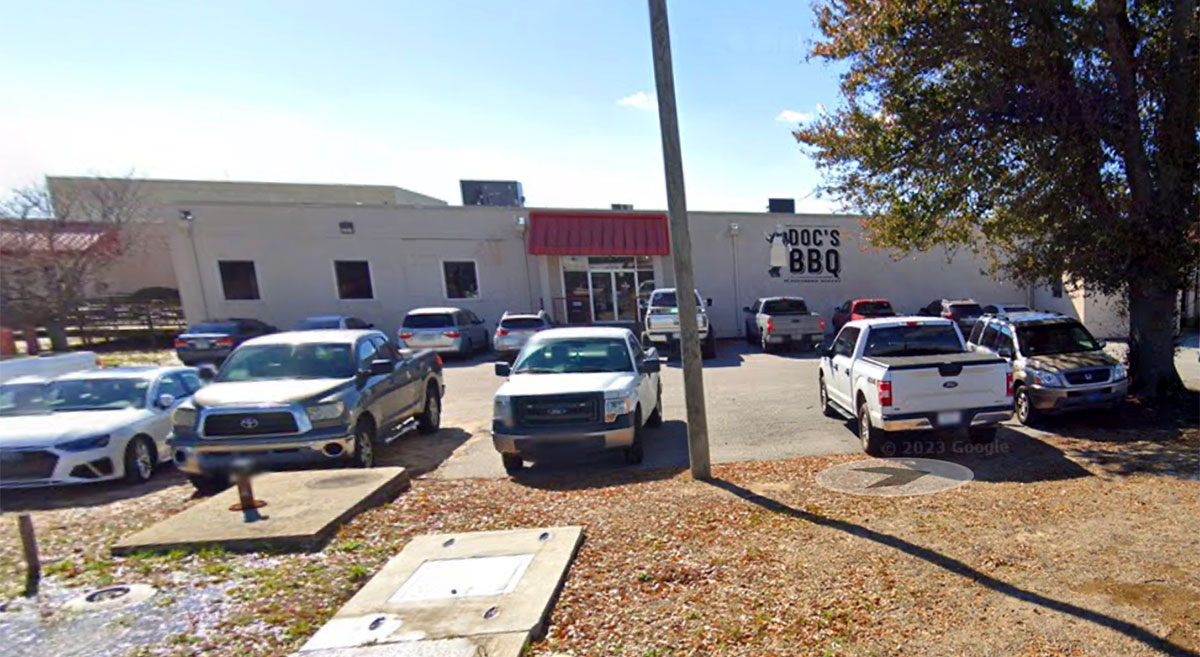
pixel 1102 343
pixel 827 352
pixel 206 372
pixel 503 368
pixel 165 400
pixel 405 353
pixel 379 367
pixel 708 302
pixel 1004 352
pixel 745 309
pixel 650 366
pixel 370 325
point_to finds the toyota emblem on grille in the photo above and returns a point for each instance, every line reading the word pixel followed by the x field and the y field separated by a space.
pixel 249 423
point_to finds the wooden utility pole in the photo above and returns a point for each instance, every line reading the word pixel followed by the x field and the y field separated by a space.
pixel 33 565
pixel 681 245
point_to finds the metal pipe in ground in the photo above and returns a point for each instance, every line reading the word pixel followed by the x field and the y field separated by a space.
pixel 33 565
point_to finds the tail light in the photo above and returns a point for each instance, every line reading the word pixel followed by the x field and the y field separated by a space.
pixel 501 332
pixel 452 334
pixel 854 317
pixel 770 325
pixel 180 344
pixel 1008 387
pixel 438 359
pixel 224 342
pixel 404 335
pixel 885 393
pixel 822 324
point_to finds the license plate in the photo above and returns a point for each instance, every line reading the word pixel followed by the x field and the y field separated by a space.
pixel 949 417
pixel 201 344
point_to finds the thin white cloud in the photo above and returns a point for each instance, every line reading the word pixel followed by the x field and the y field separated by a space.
pixel 640 100
pixel 792 116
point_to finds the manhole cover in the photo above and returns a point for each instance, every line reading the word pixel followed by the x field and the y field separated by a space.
pixel 342 481
pixel 894 477
pixel 111 597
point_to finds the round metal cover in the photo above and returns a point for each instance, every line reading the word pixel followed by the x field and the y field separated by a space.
pixel 111 597
pixel 894 477
pixel 342 480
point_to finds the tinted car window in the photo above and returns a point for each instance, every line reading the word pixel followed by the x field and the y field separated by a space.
pixel 965 310
pixel 989 337
pixel 976 331
pixel 1062 338
pixel 667 300
pixel 439 320
pixel 520 323
pixel 191 382
pixel 573 356
pixel 1004 339
pixel 226 328
pixel 172 385
pixel 284 361
pixel 785 307
pixel 312 324
pixel 874 309
pixel 844 345
pixel 757 304
pixel 918 340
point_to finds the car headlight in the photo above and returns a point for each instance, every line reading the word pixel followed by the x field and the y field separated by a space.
pixel 620 406
pixel 84 444
pixel 502 411
pixel 184 417
pixel 327 411
pixel 1047 379
pixel 1119 372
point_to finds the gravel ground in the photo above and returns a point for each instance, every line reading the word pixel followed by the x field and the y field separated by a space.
pixel 1076 545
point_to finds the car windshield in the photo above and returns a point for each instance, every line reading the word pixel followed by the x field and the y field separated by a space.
pixel 225 328
pixel 521 323
pixel 785 307
pixel 874 309
pixel 287 361
pixel 95 394
pixel 965 310
pixel 668 300
pixel 1062 338
pixel 570 356
pixel 441 320
pixel 913 340
pixel 23 399
pixel 315 323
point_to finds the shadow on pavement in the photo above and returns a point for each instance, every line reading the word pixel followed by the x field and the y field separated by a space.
pixel 729 354
pixel 454 361
pixel 420 453
pixel 666 456
pixel 952 565
pixel 84 495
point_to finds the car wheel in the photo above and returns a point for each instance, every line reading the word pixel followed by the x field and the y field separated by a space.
pixel 636 452
pixel 139 460
pixel 749 334
pixel 513 463
pixel 1022 407
pixel 209 484
pixel 872 439
pixel 709 348
pixel 430 419
pixel 364 444
pixel 826 407
pixel 983 434
pixel 764 343
pixel 467 349
pixel 656 417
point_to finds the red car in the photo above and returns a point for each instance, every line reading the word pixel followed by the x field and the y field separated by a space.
pixel 861 309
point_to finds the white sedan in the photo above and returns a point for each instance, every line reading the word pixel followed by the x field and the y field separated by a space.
pixel 90 426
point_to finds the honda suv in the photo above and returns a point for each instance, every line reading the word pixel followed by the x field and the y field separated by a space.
pixel 1057 365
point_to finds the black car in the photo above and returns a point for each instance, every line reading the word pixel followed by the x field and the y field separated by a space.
pixel 331 322
pixel 213 340
pixel 964 312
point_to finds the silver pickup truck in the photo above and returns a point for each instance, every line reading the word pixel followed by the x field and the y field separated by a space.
pixel 782 321
pixel 304 398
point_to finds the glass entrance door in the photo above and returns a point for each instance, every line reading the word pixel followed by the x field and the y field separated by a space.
pixel 606 289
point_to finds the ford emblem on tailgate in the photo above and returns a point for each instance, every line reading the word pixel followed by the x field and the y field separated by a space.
pixel 950 384
pixel 249 423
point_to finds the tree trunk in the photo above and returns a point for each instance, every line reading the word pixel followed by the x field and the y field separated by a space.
pixel 1152 340
pixel 58 335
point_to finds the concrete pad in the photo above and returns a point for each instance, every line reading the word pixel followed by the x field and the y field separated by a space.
pixel 303 510
pixel 444 593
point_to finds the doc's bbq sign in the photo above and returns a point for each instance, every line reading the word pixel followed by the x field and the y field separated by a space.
pixel 805 254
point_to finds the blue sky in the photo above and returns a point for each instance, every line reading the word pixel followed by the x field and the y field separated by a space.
pixel 556 94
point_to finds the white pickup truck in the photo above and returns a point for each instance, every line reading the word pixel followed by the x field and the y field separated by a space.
pixel 661 323
pixel 576 388
pixel 910 374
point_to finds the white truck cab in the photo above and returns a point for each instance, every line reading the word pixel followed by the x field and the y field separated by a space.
pixel 661 322
pixel 910 374
pixel 584 387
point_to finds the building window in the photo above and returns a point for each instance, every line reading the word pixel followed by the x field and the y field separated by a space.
pixel 461 279
pixel 353 279
pixel 238 280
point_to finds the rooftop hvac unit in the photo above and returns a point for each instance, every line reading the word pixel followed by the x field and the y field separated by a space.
pixel 782 205
pixel 496 193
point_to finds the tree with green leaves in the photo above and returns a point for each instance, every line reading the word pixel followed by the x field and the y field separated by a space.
pixel 1054 137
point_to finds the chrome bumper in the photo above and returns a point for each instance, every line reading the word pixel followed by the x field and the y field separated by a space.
pixel 925 422
pixel 519 444
pixel 195 457
pixel 1061 399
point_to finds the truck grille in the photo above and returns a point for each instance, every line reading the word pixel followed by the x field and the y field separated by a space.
pixel 1088 376
pixel 27 465
pixel 543 410
pixel 250 424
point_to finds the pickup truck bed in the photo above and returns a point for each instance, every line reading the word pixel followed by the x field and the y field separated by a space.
pixel 919 362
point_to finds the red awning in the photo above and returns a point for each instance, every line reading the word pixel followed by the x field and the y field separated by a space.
pixel 597 233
